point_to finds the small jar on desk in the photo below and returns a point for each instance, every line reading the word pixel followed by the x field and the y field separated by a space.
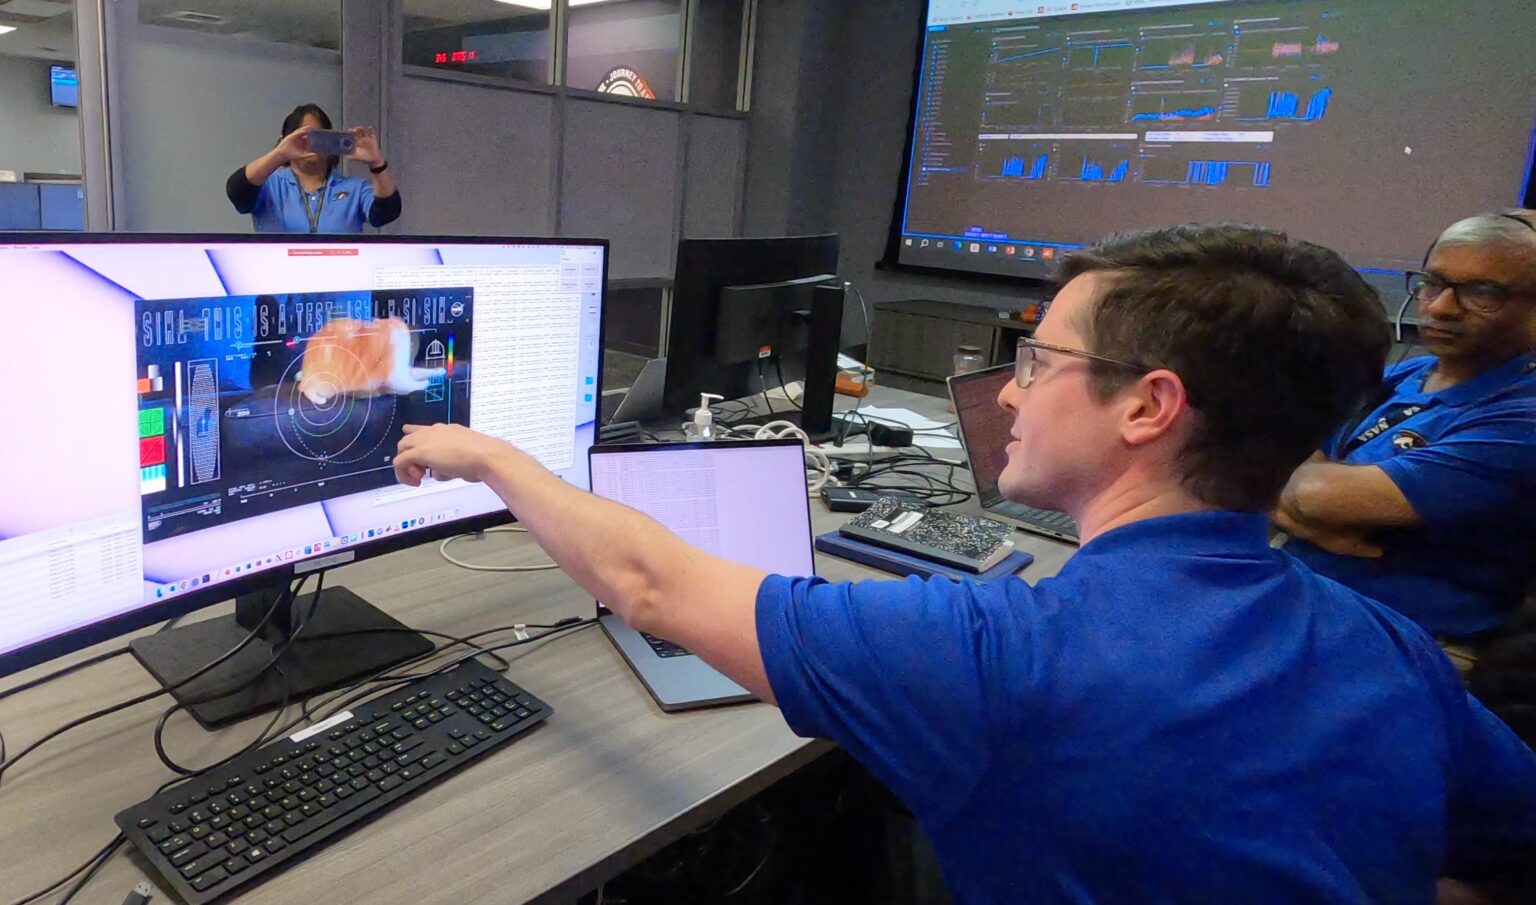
pixel 967 359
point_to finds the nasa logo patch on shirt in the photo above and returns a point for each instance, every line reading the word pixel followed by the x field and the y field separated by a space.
pixel 1408 440
pixel 342 196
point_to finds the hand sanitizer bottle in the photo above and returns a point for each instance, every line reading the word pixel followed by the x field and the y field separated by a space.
pixel 702 427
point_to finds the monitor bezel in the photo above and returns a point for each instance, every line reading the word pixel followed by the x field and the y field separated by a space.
pixel 183 605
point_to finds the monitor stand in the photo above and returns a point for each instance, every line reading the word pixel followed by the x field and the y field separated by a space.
pixel 344 638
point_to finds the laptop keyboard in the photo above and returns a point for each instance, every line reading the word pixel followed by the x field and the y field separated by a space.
pixel 665 648
pixel 1048 519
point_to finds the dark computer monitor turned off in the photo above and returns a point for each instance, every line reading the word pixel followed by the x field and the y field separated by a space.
pixel 228 421
pixel 750 314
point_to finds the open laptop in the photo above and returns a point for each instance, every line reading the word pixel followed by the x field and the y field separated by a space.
pixel 984 430
pixel 744 501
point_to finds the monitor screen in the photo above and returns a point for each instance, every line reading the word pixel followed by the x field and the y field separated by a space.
pixel 64 86
pixel 1039 127
pixel 744 502
pixel 188 414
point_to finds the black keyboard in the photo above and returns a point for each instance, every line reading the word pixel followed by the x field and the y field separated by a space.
pixel 233 826
pixel 665 648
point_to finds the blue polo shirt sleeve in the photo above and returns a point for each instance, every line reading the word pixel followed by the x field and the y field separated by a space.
pixel 1493 799
pixel 893 671
pixel 365 199
pixel 1479 474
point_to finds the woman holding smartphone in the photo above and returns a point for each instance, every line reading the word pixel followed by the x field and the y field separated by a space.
pixel 296 188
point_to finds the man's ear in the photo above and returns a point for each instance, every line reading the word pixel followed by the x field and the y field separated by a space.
pixel 1153 407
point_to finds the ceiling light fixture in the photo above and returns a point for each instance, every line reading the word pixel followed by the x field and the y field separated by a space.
pixel 7 29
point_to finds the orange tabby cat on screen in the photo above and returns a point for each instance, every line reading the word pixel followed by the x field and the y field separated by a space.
pixel 361 358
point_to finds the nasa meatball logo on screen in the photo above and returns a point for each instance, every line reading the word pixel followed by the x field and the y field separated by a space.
pixel 626 82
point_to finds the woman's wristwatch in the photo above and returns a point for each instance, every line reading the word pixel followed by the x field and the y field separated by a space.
pixel 379 169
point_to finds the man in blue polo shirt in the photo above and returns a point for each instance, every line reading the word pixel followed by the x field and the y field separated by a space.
pixel 1183 713
pixel 1428 502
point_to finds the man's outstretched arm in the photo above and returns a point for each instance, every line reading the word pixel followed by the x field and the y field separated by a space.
pixel 651 578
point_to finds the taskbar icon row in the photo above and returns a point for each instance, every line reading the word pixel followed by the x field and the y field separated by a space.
pixel 299 552
pixel 1005 249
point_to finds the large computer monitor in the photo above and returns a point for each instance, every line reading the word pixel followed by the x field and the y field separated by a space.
pixel 747 313
pixel 1039 127
pixel 199 418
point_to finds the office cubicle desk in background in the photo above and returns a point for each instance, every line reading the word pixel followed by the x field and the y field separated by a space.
pixel 28 206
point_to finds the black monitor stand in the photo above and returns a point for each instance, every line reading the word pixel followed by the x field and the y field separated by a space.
pixel 343 638
pixel 824 328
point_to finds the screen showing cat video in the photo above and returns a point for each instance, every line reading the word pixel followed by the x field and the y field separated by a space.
pixel 253 404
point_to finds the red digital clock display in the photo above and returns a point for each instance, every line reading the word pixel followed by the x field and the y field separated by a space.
pixel 457 56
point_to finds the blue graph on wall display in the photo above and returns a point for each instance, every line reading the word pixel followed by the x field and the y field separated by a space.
pixel 1217 172
pixel 1287 105
pixel 1093 171
pixel 1182 113
pixel 1014 166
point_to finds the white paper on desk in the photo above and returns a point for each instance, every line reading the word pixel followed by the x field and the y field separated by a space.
pixel 945 440
pixel 900 416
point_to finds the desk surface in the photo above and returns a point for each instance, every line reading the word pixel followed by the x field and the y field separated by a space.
pixel 607 781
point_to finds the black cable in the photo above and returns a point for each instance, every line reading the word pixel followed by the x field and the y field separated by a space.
pixel 367 693
pixel 245 682
pixel 149 696
pixel 778 368
pixel 91 871
pixel 100 855
pixel 60 673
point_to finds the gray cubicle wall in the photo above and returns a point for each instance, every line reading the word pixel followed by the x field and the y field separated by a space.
pixel 480 157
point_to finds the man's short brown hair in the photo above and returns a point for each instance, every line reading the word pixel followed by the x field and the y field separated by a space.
pixel 1277 342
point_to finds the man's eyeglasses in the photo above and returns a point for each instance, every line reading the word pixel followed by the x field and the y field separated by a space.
pixel 1024 363
pixel 1477 296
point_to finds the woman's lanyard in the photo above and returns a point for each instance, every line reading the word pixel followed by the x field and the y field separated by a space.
pixel 314 215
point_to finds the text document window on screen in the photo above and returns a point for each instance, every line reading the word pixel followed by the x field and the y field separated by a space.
pixel 1042 127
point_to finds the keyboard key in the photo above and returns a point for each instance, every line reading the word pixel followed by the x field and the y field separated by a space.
pixel 159 834
pixel 389 783
pixel 146 822
pixel 455 748
pixel 256 855
pixel 200 832
pixel 237 847
pixel 206 863
pixel 174 844
pixel 217 840
pixel 211 879
pixel 185 856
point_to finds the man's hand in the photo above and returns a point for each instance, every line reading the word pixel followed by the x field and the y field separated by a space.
pixel 448 451
pixel 366 150
pixel 1343 541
